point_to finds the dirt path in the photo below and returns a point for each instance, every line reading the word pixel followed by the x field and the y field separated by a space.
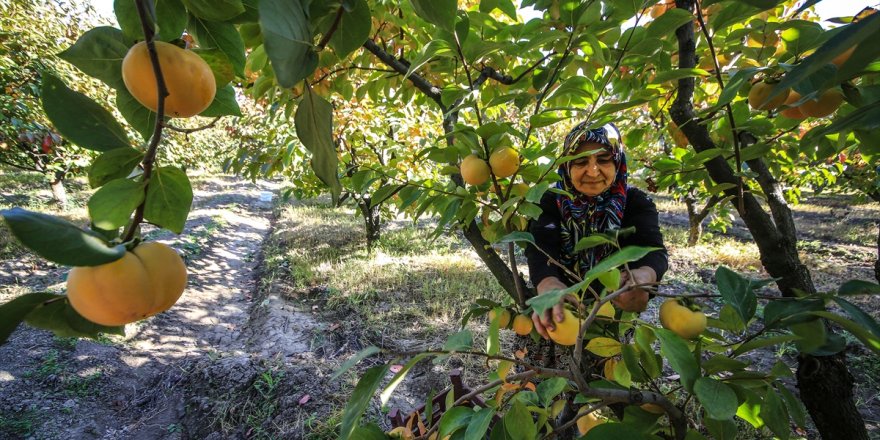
pixel 68 389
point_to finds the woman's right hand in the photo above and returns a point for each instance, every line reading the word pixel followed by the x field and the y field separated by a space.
pixel 548 319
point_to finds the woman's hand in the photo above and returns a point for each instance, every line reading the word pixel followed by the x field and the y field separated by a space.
pixel 544 321
pixel 634 300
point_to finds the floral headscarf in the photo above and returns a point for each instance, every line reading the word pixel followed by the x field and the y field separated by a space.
pixel 583 215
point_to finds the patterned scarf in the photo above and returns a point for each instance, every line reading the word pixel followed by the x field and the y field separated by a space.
pixel 583 214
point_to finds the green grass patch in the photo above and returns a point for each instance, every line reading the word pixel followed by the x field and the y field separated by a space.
pixel 19 425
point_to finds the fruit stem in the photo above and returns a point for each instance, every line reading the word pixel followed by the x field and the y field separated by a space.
pixel 162 91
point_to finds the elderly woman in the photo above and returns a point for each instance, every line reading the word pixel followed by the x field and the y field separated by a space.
pixel 600 201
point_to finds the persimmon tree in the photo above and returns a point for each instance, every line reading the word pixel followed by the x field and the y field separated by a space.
pixel 504 90
pixel 27 141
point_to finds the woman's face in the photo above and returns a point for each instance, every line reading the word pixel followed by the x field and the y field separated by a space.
pixel 592 175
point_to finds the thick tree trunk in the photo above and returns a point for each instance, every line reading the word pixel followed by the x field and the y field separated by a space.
pixel 824 382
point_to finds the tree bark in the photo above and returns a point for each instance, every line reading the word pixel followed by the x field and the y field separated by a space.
pixel 877 262
pixel 58 190
pixel 695 218
pixel 372 221
pixel 824 382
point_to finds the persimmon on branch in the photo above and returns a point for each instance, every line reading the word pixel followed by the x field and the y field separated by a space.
pixel 162 92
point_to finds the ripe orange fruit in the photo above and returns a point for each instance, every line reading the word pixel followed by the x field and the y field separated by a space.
pixel 824 106
pixel 474 170
pixel 504 162
pixel 566 332
pixel 793 112
pixel 681 320
pixel 522 325
pixel 758 97
pixel 503 321
pixel 188 78
pixel 840 59
pixel 145 281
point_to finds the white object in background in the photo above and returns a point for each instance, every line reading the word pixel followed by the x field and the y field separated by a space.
pixel 266 196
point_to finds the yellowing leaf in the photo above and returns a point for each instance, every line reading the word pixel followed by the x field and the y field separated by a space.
pixel 604 347
pixel 504 368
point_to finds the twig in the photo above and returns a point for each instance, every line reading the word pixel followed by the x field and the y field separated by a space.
pixel 162 91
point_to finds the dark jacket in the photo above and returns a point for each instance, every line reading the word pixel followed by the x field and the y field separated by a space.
pixel 639 212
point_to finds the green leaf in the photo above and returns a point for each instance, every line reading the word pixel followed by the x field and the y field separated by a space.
pixel 113 164
pixel 739 79
pixel 224 103
pixel 214 10
pixel 858 315
pixel 859 287
pixel 170 15
pixel 717 398
pixel 111 206
pixel 851 35
pixel 79 119
pixel 61 319
pixel 370 431
pixel 384 193
pixel 360 399
pixel 314 127
pixel 737 292
pixel 550 388
pixel 431 50
pixel 775 415
pixel 479 424
pixel 623 256
pixel 454 419
pixel 352 361
pixel 460 341
pixel 518 422
pixel 721 429
pixel 869 339
pixel 666 24
pixel 610 280
pixel 398 378
pixel 618 431
pixel 592 241
pixel 99 53
pixel 438 12
pixel 222 36
pixel 219 63
pixel 142 119
pixel 58 240
pixel 796 408
pixel 548 299
pixel 720 363
pixel 13 312
pixel 676 74
pixel 172 19
pixel 517 237
pixel 493 345
pixel 287 40
pixel 775 312
pixel 675 350
pixel 169 198
pixel 764 342
pixel 353 29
